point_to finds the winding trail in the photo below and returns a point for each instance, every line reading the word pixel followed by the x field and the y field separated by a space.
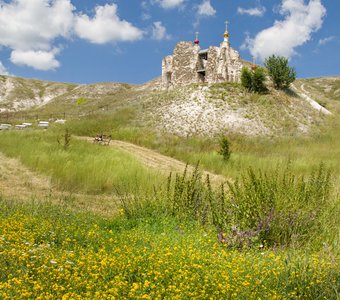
pixel 303 94
pixel 19 183
pixel 160 162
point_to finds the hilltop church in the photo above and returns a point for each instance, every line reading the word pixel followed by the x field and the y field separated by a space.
pixel 191 64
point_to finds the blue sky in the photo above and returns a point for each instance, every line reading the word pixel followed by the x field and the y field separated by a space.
pixel 86 41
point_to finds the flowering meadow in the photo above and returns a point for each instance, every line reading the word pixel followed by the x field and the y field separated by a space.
pixel 268 234
pixel 49 252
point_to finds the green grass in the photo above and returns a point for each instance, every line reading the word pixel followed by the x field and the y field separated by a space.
pixel 302 152
pixel 82 167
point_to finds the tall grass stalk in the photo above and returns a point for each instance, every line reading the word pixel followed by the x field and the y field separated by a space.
pixel 273 208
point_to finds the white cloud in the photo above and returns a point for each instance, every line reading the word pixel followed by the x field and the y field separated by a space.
pixel 40 60
pixel 106 26
pixel 159 31
pixel 300 21
pixel 30 29
pixel 3 70
pixel 169 4
pixel 255 12
pixel 326 40
pixel 206 9
pixel 34 24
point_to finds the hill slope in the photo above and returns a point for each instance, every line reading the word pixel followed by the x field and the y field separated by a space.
pixel 191 110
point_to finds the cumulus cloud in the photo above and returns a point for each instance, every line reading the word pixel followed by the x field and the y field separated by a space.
pixel 159 32
pixel 106 26
pixel 30 29
pixel 255 12
pixel 206 9
pixel 33 24
pixel 326 40
pixel 39 60
pixel 3 70
pixel 169 4
pixel 300 21
pixel 30 26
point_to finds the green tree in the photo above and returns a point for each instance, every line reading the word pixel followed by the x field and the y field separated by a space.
pixel 254 80
pixel 279 71
pixel 246 79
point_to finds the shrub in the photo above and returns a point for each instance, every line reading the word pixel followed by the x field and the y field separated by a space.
pixel 259 78
pixel 254 81
pixel 246 79
pixel 225 148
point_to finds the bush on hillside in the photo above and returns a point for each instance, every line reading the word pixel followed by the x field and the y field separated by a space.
pixel 246 79
pixel 279 71
pixel 254 81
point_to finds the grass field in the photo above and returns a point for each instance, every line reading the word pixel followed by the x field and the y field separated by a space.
pixel 179 241
pixel 302 152
pixel 82 167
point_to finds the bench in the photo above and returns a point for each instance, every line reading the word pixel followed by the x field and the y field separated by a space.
pixel 5 126
pixel 102 139
pixel 20 126
pixel 43 124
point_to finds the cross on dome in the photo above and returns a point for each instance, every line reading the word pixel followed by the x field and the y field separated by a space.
pixel 226 33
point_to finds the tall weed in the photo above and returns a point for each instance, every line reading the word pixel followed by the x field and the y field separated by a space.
pixel 273 208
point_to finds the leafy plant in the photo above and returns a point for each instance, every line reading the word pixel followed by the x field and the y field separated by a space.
pixel 81 101
pixel 279 71
pixel 225 150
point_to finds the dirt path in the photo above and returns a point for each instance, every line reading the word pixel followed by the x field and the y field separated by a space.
pixel 158 161
pixel 18 183
pixel 303 93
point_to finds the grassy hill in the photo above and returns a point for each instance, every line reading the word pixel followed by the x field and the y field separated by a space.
pixel 326 90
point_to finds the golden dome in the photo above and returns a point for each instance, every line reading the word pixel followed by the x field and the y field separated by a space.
pixel 226 33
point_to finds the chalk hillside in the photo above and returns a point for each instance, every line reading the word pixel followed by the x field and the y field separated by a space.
pixel 196 109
